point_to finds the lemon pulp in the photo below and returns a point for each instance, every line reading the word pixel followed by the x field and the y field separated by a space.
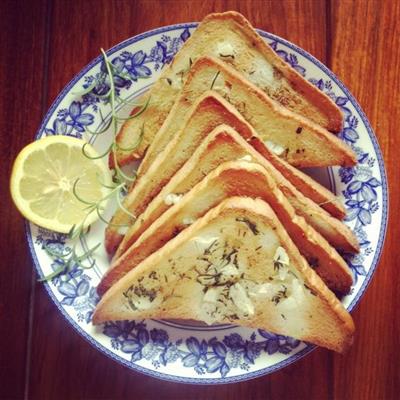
pixel 43 178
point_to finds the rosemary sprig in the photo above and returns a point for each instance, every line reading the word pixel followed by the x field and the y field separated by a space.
pixel 214 79
pixel 142 110
pixel 68 260
pixel 85 91
pixel 114 100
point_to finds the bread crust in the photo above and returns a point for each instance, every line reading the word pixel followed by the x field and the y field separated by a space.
pixel 208 156
pixel 221 145
pixel 305 184
pixel 332 326
pixel 296 94
pixel 234 178
pixel 334 120
pixel 306 144
pixel 209 111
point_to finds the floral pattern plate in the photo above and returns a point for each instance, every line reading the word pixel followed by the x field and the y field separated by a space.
pixel 186 352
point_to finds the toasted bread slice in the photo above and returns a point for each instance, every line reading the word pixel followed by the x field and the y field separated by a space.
pixel 210 111
pixel 237 264
pixel 221 145
pixel 235 178
pixel 236 90
pixel 299 141
pixel 207 113
pixel 230 37
pixel 304 183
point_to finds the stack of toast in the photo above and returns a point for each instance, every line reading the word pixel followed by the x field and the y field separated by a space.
pixel 226 228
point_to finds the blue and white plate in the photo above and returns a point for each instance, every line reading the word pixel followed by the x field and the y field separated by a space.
pixel 184 352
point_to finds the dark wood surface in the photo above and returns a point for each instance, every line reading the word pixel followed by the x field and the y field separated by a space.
pixel 43 44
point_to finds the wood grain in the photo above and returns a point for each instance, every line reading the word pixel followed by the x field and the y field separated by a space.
pixel 55 39
pixel 369 65
pixel 22 55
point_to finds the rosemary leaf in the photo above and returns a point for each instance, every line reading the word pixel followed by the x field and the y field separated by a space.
pixel 85 91
pixel 213 81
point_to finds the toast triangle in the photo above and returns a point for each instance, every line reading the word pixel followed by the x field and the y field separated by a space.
pixel 237 264
pixel 298 141
pixel 221 145
pixel 208 112
pixel 225 35
pixel 235 178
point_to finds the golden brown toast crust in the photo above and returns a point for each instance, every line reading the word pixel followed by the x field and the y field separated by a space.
pixel 221 145
pixel 304 143
pixel 331 326
pixel 295 92
pixel 235 178
pixel 209 111
pixel 333 115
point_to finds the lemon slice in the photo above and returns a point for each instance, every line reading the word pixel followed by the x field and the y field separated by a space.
pixel 43 177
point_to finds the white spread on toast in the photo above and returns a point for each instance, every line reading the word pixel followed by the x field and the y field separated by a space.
pixel 247 157
pixel 239 296
pixel 172 199
pixel 123 230
pixel 188 220
pixel 262 75
pixel 224 50
pixel 221 86
pixel 233 293
pixel 220 270
pixel 143 296
pixel 275 147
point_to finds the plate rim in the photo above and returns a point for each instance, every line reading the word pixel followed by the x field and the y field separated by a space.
pixel 263 371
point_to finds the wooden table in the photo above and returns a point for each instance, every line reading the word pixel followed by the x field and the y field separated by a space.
pixel 43 44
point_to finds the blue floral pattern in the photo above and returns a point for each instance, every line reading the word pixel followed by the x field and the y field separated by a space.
pixel 361 190
pixel 74 285
pixel 290 58
pixel 145 341
pixel 129 68
pixel 72 119
pixel 211 356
